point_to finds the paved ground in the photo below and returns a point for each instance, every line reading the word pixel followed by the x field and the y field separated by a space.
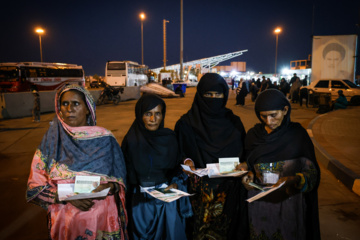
pixel 339 207
pixel 336 136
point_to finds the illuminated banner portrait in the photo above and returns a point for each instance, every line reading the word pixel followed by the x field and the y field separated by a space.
pixel 334 57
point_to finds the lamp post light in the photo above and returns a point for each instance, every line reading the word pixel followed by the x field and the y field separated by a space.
pixel 181 41
pixel 164 40
pixel 142 17
pixel 276 31
pixel 40 31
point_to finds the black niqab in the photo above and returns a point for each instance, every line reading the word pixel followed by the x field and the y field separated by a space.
pixel 209 130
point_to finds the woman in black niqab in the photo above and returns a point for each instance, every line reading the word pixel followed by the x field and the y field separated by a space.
pixel 152 159
pixel 290 212
pixel 207 132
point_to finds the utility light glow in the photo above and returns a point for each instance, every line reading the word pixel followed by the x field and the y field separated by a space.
pixel 233 72
pixel 285 71
pixel 39 30
pixel 277 30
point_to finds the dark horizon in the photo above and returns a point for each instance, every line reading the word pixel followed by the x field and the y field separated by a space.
pixel 91 33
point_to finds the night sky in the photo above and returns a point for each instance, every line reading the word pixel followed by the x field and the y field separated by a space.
pixel 89 33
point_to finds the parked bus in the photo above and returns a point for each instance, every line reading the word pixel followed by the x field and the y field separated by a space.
pixel 25 76
pixel 125 73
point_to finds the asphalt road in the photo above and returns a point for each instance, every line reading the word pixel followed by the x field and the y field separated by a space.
pixel 339 207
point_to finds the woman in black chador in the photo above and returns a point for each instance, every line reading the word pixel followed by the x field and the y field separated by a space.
pixel 280 151
pixel 153 160
pixel 241 93
pixel 207 132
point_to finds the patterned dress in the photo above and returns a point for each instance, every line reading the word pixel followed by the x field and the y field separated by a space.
pixel 66 152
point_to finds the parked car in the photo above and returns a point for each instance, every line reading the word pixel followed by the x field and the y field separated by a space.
pixel 192 82
pixel 350 90
pixel 95 84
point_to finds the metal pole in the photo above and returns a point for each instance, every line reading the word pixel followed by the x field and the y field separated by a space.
pixel 41 57
pixel 277 35
pixel 181 40
pixel 142 44
pixel 164 40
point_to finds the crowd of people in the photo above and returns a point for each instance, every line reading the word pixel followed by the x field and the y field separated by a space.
pixel 275 151
pixel 292 89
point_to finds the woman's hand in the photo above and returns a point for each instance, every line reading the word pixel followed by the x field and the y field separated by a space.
pixel 82 204
pixel 86 204
pixel 285 191
pixel 290 185
pixel 104 186
pixel 173 185
pixel 190 163
pixel 248 178
pixel 242 167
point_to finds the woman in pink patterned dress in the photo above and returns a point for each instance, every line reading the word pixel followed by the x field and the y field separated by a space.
pixel 74 146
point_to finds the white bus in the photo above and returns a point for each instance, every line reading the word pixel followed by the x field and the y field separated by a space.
pixel 125 73
pixel 25 76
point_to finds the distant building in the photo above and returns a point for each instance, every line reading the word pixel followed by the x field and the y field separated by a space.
pixel 301 64
pixel 235 66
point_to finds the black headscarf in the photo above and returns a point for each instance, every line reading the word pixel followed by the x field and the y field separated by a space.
pixel 289 141
pixel 151 156
pixel 209 130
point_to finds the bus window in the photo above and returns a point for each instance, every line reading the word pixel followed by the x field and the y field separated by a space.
pixel 130 68
pixel 50 72
pixel 23 75
pixel 9 74
pixel 31 72
pixel 116 66
pixel 41 72
pixel 76 72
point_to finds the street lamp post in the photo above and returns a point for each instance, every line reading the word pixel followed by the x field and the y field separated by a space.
pixel 40 31
pixel 142 17
pixel 276 31
pixel 181 41
pixel 164 40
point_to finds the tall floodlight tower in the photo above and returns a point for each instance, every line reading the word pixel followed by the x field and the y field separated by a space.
pixel 276 31
pixel 181 41
pixel 40 31
pixel 164 40
pixel 142 17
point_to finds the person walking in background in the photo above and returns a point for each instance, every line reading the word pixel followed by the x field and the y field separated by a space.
pixel 304 95
pixel 294 91
pixel 36 108
pixel 275 85
pixel 241 92
pixel 304 82
pixel 268 83
pixel 293 79
pixel 258 83
pixel 284 86
pixel 254 91
pixel 264 84
pixel 279 151
pixel 232 83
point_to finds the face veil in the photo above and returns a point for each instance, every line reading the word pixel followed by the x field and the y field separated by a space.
pixel 210 129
